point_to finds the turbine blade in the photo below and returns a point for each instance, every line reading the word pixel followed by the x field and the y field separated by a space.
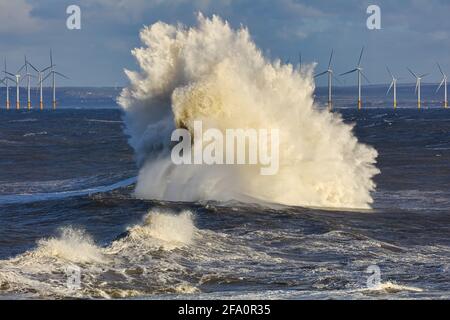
pixel 51 57
pixel 360 56
pixel 60 74
pixel 414 75
pixel 337 79
pixel 442 82
pixel 424 75
pixel 46 77
pixel 45 69
pixel 390 87
pixel 331 57
pixel 320 74
pixel 26 64
pixel 21 68
pixel 417 86
pixel 390 73
pixel 34 68
pixel 351 71
pixel 11 74
pixel 364 76
pixel 440 69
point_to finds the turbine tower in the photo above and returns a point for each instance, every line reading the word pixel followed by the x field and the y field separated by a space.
pixel 5 81
pixel 444 82
pixel 17 91
pixel 418 86
pixel 358 69
pixel 53 73
pixel 393 85
pixel 40 81
pixel 329 71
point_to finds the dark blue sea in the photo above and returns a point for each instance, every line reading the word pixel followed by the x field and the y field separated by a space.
pixel 70 225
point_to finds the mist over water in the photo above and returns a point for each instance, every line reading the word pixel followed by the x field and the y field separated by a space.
pixel 217 75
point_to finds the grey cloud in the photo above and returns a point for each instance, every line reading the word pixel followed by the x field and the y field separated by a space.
pixel 414 32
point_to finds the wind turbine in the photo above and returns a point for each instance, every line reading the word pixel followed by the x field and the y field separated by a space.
pixel 40 81
pixel 53 73
pixel 418 86
pixel 360 73
pixel 329 71
pixel 5 81
pixel 393 85
pixel 28 76
pixel 17 80
pixel 444 82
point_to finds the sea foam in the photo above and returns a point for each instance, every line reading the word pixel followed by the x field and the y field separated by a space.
pixel 216 74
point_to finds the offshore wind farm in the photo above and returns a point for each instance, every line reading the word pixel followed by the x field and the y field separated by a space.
pixel 24 73
pixel 392 85
pixel 28 71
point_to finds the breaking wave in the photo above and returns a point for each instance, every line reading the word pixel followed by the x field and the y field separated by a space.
pixel 106 271
pixel 216 74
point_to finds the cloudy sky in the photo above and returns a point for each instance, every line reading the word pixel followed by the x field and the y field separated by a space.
pixel 414 33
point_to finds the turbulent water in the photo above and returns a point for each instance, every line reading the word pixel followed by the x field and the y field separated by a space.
pixel 66 199
pixel 68 181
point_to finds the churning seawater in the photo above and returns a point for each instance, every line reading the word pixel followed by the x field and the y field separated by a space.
pixel 66 199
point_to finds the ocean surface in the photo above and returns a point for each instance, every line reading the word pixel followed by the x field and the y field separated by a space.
pixel 70 225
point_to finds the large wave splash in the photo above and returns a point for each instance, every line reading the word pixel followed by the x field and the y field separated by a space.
pixel 112 271
pixel 216 74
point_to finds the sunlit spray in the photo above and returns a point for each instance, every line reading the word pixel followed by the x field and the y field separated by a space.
pixel 217 75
